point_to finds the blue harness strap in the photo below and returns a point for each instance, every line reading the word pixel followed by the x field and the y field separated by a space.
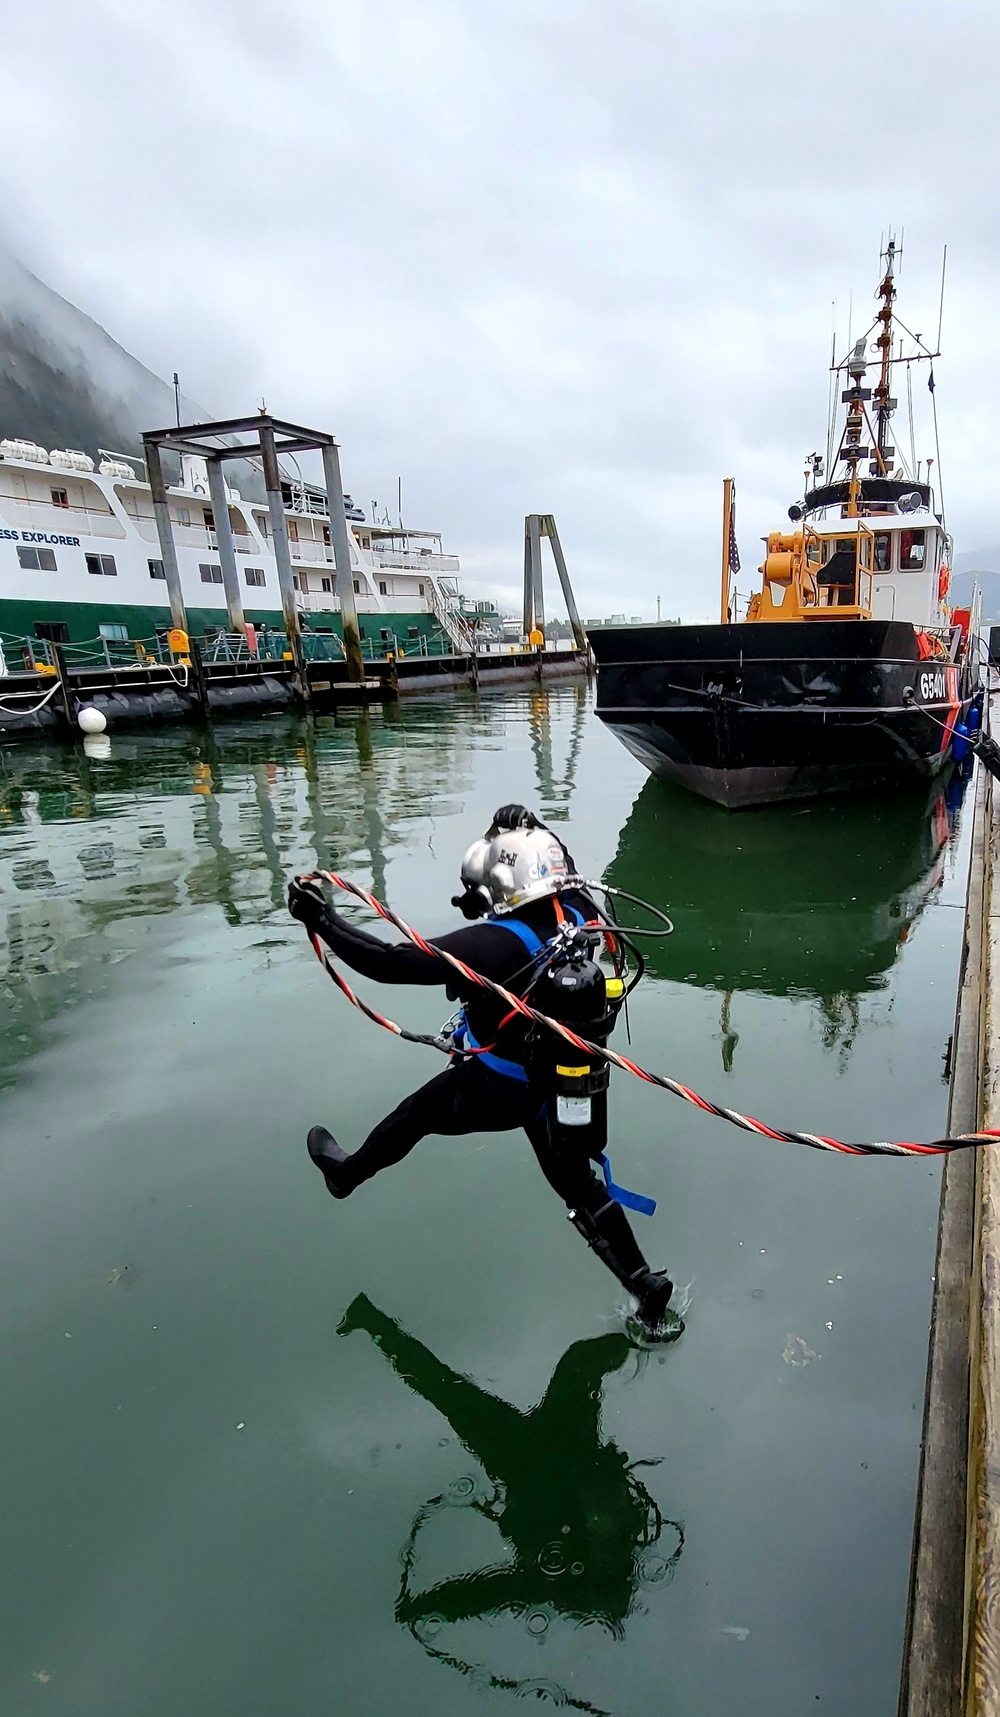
pixel 513 1070
pixel 510 1069
pixel 535 946
pixel 631 1200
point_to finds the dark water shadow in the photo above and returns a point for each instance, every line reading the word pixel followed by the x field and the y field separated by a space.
pixel 815 901
pixel 583 1535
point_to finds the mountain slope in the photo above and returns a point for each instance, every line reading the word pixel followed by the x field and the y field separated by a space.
pixel 64 382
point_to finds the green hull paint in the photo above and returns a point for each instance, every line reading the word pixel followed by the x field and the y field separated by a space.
pixel 84 618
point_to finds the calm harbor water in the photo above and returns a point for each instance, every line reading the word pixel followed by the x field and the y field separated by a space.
pixel 262 1452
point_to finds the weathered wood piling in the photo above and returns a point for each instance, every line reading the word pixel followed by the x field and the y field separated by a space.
pixel 951 1659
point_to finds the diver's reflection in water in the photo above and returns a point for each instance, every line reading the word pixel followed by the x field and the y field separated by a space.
pixel 583 1533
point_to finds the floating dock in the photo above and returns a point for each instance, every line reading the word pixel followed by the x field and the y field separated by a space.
pixel 951 1662
pixel 190 687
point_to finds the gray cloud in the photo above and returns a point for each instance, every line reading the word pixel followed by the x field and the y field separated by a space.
pixel 530 254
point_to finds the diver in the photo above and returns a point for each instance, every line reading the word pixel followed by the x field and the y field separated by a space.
pixel 521 883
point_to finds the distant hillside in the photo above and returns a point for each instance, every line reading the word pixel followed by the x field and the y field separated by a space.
pixel 978 560
pixel 64 382
pixel 989 583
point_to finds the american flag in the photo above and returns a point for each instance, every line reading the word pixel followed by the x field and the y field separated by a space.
pixel 734 553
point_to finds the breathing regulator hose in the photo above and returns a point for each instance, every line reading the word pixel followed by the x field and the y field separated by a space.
pixel 600 1051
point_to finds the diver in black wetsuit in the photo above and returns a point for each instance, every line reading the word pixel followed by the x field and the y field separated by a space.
pixel 524 870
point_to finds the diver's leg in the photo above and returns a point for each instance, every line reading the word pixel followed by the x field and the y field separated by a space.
pixel 490 1429
pixel 600 1219
pixel 466 1098
pixel 429 1110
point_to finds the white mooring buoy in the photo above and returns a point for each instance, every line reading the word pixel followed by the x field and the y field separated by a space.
pixel 92 720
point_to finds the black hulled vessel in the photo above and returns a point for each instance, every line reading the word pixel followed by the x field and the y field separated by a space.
pixel 850 670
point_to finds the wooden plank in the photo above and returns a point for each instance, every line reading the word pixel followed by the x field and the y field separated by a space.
pixel 932 1682
pixel 983 1627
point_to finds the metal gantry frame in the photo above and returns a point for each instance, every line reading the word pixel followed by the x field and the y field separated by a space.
pixel 537 526
pixel 262 438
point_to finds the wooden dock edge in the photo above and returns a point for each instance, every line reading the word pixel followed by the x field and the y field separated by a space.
pixel 951 1654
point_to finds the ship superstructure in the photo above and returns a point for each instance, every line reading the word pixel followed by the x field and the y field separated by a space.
pixel 871 542
pixel 80 556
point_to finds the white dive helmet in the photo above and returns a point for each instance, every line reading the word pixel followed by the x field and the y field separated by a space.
pixel 474 864
pixel 524 864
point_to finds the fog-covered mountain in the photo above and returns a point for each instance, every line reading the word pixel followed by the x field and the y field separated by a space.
pixel 64 382
pixel 978 560
pixel 962 586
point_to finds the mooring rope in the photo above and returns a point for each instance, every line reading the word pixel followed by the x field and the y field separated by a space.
pixel 816 1141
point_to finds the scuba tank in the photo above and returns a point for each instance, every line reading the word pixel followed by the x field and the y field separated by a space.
pixel 576 991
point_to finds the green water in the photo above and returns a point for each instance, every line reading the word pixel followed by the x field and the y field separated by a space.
pixel 265 1453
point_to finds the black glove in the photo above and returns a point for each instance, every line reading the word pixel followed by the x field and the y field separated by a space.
pixel 306 901
pixel 513 817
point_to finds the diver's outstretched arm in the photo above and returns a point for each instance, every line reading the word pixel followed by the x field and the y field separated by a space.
pixel 491 1429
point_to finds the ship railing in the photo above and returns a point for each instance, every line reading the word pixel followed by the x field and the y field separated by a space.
pixel 74 511
pixel 20 654
pixel 313 552
pixel 409 560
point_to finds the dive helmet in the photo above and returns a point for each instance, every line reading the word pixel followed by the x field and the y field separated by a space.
pixel 511 866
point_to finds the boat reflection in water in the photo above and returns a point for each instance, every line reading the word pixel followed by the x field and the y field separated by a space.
pixel 812 902
pixel 572 1534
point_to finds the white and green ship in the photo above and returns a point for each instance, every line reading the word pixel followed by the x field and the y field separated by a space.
pixel 80 559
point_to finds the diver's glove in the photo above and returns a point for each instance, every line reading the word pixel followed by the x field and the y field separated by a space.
pixel 514 817
pixel 306 902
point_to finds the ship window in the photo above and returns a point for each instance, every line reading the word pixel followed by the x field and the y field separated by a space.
pixel 102 565
pixel 293 530
pixel 210 574
pixel 53 631
pixel 383 588
pixel 209 518
pixel 839 562
pixel 327 585
pixel 111 629
pixel 38 559
pixel 255 576
pixel 357 588
pixel 911 550
pixel 156 569
pixel 883 551
pixel 184 515
pixel 59 498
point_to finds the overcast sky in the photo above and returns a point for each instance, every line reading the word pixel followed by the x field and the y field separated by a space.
pixel 530 255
